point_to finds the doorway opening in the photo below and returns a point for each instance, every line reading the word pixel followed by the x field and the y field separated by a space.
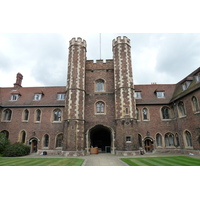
pixel 33 142
pixel 102 137
pixel 148 145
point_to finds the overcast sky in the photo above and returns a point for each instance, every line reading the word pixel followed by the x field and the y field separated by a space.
pixel 42 58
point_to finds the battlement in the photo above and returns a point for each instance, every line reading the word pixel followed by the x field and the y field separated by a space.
pixel 99 64
pixel 120 40
pixel 78 41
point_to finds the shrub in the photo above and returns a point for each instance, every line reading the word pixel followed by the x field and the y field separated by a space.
pixel 4 142
pixel 16 149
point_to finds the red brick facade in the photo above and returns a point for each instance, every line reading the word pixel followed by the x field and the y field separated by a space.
pixel 101 107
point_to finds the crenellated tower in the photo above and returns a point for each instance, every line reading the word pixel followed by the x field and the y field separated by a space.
pixel 125 106
pixel 75 97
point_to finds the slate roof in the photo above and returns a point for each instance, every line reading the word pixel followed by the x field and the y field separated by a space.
pixel 148 93
pixel 26 98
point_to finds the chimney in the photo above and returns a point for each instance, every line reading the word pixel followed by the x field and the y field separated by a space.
pixel 18 83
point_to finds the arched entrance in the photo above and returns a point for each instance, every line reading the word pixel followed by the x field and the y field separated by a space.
pixel 33 142
pixel 148 144
pixel 102 137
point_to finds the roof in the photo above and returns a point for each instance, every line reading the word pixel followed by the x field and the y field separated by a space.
pixel 194 85
pixel 148 93
pixel 26 96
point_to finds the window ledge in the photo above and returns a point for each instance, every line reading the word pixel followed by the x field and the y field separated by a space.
pixel 128 142
pixel 100 113
pixel 57 122
pixel 166 120
pixel 37 122
pixel 182 117
pixel 197 112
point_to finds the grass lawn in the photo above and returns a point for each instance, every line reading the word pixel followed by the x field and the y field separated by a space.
pixel 162 161
pixel 41 161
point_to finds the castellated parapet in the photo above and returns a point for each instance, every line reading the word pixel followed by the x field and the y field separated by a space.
pixel 119 40
pixel 78 41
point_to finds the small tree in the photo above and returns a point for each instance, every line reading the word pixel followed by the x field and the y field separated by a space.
pixel 4 142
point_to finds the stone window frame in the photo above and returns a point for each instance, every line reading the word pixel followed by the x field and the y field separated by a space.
pixel 159 142
pixel 25 115
pixel 46 141
pixel 95 107
pixel 36 116
pixel 170 137
pixel 181 109
pixel 60 118
pixel 22 136
pixel 128 139
pixel 59 140
pixel 104 85
pixel 140 141
pixel 7 118
pixel 188 139
pixel 195 104
pixel 162 111
pixel 148 114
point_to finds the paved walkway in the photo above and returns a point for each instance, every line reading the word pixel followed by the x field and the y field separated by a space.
pixel 103 160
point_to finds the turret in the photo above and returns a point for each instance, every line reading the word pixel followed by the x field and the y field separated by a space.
pixel 125 107
pixel 75 96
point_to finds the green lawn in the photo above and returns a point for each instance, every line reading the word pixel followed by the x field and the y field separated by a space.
pixel 162 161
pixel 41 161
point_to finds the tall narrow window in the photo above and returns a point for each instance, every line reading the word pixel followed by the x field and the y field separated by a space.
pixel 26 114
pixel 145 114
pixel 177 143
pixel 59 140
pixel 139 140
pixel 7 115
pixel 57 115
pixel 38 115
pixel 159 140
pixel 181 109
pixel 46 140
pixel 6 133
pixel 23 136
pixel 165 112
pixel 195 104
pixel 100 107
pixel 169 139
pixel 188 139
pixel 100 85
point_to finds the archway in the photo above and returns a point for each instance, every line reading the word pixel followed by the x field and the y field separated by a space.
pixel 148 144
pixel 102 137
pixel 34 144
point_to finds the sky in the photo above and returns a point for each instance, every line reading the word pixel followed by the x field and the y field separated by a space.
pixel 42 58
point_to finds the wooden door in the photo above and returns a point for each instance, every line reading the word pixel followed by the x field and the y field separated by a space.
pixel 148 145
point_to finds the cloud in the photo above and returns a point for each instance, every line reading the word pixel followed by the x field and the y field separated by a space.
pixel 178 54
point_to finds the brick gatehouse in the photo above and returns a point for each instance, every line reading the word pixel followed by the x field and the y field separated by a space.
pixel 101 107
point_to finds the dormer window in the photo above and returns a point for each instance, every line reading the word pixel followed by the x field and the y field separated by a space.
pixel 138 95
pixel 60 96
pixel 160 94
pixel 37 97
pixel 185 85
pixel 197 77
pixel 14 97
